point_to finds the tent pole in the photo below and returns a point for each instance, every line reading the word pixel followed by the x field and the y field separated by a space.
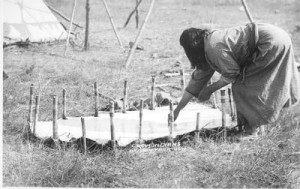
pixel 137 14
pixel 132 12
pixel 139 35
pixel 70 27
pixel 247 11
pixel 63 16
pixel 87 23
pixel 112 23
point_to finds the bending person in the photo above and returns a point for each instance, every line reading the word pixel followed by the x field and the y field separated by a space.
pixel 257 59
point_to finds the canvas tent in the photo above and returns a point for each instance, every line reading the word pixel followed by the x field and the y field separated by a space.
pixel 31 20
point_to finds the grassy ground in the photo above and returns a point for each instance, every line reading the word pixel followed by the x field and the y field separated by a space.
pixel 267 162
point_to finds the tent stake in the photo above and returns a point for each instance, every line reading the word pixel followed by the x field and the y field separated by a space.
pixel 70 27
pixel 141 119
pixel 112 22
pixel 83 134
pixel 171 120
pixel 232 114
pixel 125 97
pixel 36 114
pixel 128 61
pixel 197 126
pixel 96 99
pixel 30 107
pixel 182 79
pixel 213 97
pixel 55 132
pixel 153 93
pixel 112 126
pixel 223 113
pixel 64 116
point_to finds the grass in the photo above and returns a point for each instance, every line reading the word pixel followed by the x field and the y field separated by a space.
pixel 267 162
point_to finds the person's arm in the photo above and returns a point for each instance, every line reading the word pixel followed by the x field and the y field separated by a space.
pixel 207 91
pixel 198 80
pixel 186 97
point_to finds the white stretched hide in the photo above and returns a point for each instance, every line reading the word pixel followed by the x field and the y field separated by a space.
pixel 30 19
pixel 155 124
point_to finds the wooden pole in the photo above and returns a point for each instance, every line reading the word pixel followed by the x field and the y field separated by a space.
pixel 213 97
pixel 87 23
pixel 30 107
pixel 132 12
pixel 223 113
pixel 141 119
pixel 64 116
pixel 112 126
pixel 197 126
pixel 125 97
pixel 182 79
pixel 247 11
pixel 112 22
pixel 36 114
pixel 153 94
pixel 70 27
pixel 171 119
pixel 96 99
pixel 128 61
pixel 83 134
pixel 232 114
pixel 63 16
pixel 55 132
pixel 137 14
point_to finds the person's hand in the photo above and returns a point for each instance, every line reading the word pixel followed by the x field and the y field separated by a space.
pixel 204 94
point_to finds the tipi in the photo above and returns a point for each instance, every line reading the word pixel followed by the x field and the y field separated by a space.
pixel 30 20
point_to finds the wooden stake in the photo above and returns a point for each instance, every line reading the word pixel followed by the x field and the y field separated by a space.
pixel 70 27
pixel 141 119
pixel 87 24
pixel 247 11
pixel 213 97
pixel 125 97
pixel 112 22
pixel 198 121
pixel 83 134
pixel 139 35
pixel 96 99
pixel 55 129
pixel 137 14
pixel 64 116
pixel 171 119
pixel 30 107
pixel 197 126
pixel 232 114
pixel 132 12
pixel 36 114
pixel 223 113
pixel 153 94
pixel 112 126
pixel 182 79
